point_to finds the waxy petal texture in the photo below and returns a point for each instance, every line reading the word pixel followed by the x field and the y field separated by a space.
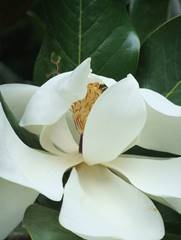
pixel 55 97
pixel 163 125
pixel 58 137
pixel 17 96
pixel 14 199
pixel 29 167
pixel 157 177
pixel 114 122
pixel 99 205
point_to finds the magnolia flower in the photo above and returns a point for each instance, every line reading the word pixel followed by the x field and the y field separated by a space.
pixel 85 123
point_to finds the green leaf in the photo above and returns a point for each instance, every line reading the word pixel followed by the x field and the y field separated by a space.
pixel 147 15
pixel 172 219
pixel 46 202
pixel 19 234
pixel 28 138
pixel 42 223
pixel 172 237
pixel 82 28
pixel 137 150
pixel 160 61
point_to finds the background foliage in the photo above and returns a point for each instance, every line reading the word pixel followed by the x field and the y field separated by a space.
pixel 41 38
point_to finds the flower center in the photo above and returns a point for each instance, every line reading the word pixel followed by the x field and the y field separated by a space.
pixel 82 107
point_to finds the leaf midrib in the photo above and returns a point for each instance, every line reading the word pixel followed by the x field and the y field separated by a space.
pixel 173 89
pixel 80 32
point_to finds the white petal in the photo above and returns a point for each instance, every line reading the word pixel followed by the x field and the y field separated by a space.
pixel 163 126
pixel 14 199
pixel 114 122
pixel 158 177
pixel 58 137
pixel 29 167
pixel 55 97
pixel 99 205
pixel 100 79
pixel 172 202
pixel 17 97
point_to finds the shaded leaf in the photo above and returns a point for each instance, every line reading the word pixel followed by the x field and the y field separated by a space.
pixel 19 46
pixel 46 202
pixel 19 234
pixel 28 138
pixel 82 28
pixel 42 223
pixel 11 11
pixel 7 75
pixel 171 218
pixel 147 15
pixel 172 237
pixel 159 66
pixel 137 150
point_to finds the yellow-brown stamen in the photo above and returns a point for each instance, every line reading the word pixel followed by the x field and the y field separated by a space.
pixel 82 107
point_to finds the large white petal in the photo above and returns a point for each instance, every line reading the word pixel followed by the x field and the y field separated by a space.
pixel 14 199
pixel 98 204
pixel 163 126
pixel 17 96
pixel 56 96
pixel 160 178
pixel 29 167
pixel 58 137
pixel 114 121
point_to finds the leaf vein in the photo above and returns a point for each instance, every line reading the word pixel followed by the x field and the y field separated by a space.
pixel 67 25
pixel 65 53
pixel 173 89
pixel 68 7
pixel 84 9
pixel 95 22
pixel 117 50
pixel 80 33
pixel 102 43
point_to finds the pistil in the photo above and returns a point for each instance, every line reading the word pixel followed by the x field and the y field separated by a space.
pixel 82 107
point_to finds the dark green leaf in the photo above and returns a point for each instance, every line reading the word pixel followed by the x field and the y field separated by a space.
pixel 19 46
pixel 147 15
pixel 172 237
pixel 19 234
pixel 46 202
pixel 82 28
pixel 159 67
pixel 137 150
pixel 28 138
pixel 171 218
pixel 42 224
pixel 7 75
